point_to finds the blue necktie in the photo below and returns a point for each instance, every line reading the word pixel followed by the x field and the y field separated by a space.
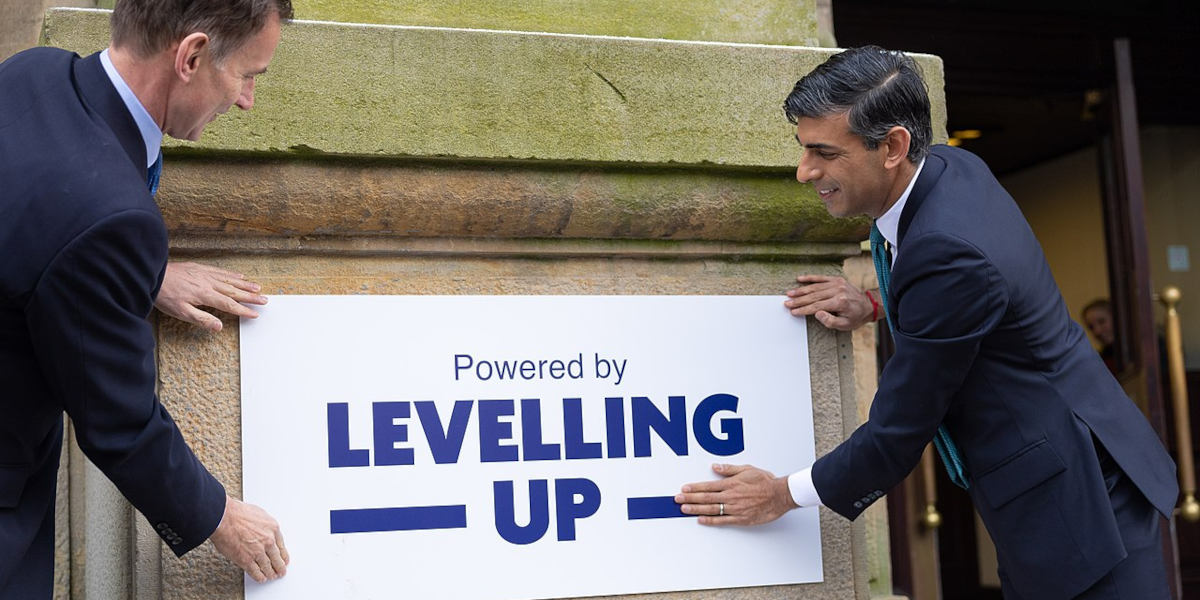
pixel 153 174
pixel 941 440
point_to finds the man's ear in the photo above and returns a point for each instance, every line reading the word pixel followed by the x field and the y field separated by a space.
pixel 896 144
pixel 190 52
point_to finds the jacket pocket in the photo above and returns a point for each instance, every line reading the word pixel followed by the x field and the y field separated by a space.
pixel 1019 473
pixel 12 483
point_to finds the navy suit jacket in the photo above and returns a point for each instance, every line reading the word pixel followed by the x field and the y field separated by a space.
pixel 985 345
pixel 83 250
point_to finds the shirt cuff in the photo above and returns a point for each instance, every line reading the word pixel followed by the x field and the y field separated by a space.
pixel 800 484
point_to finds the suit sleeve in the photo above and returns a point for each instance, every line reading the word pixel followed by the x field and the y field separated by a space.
pixel 948 297
pixel 87 318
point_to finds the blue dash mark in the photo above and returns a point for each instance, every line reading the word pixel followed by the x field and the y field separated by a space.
pixel 403 518
pixel 654 507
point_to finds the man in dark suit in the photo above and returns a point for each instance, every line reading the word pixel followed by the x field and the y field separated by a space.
pixel 83 251
pixel 1064 470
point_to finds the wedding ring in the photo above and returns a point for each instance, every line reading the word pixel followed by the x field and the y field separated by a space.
pixel 722 507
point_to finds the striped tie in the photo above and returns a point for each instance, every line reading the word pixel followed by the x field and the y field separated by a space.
pixel 941 440
pixel 153 174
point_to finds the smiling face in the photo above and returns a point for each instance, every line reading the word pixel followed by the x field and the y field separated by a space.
pixel 850 179
pixel 1099 321
pixel 214 88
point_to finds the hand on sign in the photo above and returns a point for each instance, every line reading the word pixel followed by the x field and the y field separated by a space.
pixel 188 286
pixel 833 301
pixel 250 537
pixel 746 496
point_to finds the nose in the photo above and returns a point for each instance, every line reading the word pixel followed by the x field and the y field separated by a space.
pixel 806 173
pixel 246 99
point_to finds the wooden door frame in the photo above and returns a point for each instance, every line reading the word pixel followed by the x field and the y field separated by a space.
pixel 1126 243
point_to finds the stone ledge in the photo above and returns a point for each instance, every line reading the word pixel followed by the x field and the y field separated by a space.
pixel 442 198
pixel 252 245
pixel 372 90
pixel 790 22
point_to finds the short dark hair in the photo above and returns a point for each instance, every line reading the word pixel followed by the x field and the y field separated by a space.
pixel 149 26
pixel 879 88
pixel 1101 303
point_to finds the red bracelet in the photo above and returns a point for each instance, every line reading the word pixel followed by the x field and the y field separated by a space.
pixel 874 306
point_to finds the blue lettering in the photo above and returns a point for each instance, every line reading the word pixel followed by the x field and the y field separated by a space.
pixel 531 432
pixel 614 422
pixel 734 441
pixel 479 371
pixel 671 430
pixel 338 423
pixel 506 369
pixel 506 518
pixel 492 431
pixel 528 369
pixel 387 433
pixel 567 510
pixel 445 445
pixel 458 366
pixel 573 431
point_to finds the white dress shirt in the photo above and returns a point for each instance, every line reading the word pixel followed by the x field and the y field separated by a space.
pixel 800 483
pixel 151 134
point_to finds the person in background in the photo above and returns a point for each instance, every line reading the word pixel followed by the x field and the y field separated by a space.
pixel 1098 318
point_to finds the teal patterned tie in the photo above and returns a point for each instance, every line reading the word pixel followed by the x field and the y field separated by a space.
pixel 941 440
pixel 153 174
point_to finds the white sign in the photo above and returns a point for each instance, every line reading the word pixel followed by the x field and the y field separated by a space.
pixel 520 447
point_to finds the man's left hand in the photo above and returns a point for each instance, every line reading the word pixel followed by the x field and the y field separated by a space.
pixel 188 286
pixel 746 496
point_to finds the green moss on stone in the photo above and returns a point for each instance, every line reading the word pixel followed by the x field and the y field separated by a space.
pixel 785 22
pixel 394 91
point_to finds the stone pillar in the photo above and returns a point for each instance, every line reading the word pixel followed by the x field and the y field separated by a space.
pixel 428 160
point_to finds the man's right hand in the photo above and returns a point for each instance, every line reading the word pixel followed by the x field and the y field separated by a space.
pixel 250 538
pixel 833 301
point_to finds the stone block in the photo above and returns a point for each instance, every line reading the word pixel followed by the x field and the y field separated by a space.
pixel 394 91
pixel 784 22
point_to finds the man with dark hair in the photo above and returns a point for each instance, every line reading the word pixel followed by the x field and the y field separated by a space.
pixel 1064 470
pixel 83 251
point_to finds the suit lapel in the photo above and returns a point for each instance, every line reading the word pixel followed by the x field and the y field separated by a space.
pixel 932 171
pixel 102 98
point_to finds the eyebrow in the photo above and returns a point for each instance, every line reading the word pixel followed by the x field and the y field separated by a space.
pixel 816 146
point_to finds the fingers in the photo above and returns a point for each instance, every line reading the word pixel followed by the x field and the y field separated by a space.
pixel 814 288
pixel 723 521
pixel 275 556
pixel 711 509
pixel 232 289
pixel 255 572
pixel 815 278
pixel 705 486
pixel 250 537
pixel 700 498
pixel 239 281
pixel 833 322
pixel 729 470
pixel 195 316
pixel 229 304
pixel 215 272
pixel 263 562
pixel 283 553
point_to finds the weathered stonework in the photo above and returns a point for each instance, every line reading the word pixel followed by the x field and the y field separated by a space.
pixel 427 92
pixel 745 21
